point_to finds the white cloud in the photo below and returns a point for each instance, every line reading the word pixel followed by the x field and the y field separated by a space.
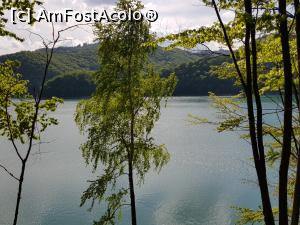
pixel 174 16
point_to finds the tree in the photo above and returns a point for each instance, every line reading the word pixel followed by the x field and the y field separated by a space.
pixel 18 5
pixel 296 197
pixel 121 114
pixel 22 119
pixel 255 23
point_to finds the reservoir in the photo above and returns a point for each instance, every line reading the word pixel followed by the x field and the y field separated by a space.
pixel 208 174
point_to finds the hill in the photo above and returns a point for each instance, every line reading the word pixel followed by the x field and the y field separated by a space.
pixel 72 59
pixel 195 79
pixel 71 69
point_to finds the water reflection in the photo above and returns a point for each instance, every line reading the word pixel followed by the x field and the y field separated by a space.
pixel 199 185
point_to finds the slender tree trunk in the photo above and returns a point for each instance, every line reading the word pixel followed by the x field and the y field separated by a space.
pixel 256 131
pixel 19 196
pixel 296 198
pixel 132 194
pixel 260 170
pixel 266 203
pixel 130 168
pixel 24 161
pixel 247 86
pixel 131 150
pixel 288 107
pixel 38 99
pixel 267 207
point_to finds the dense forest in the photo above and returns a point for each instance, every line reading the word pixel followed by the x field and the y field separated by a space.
pixel 195 78
pixel 75 66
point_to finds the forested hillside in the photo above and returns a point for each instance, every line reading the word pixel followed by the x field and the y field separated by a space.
pixel 195 79
pixel 71 70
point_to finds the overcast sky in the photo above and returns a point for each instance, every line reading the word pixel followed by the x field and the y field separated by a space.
pixel 174 16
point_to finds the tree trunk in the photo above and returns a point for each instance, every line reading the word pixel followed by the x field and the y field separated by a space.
pixel 265 197
pixel 247 86
pixel 132 194
pixel 296 198
pixel 19 197
pixel 288 100
pixel 256 132
pixel 130 165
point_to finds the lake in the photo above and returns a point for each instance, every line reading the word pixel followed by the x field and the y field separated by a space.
pixel 208 174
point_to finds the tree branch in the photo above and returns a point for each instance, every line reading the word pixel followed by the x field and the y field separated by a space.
pixel 9 173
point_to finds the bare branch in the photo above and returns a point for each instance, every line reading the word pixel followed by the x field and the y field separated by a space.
pixel 229 46
pixel 9 173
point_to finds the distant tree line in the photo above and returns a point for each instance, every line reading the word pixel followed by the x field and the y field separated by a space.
pixel 70 73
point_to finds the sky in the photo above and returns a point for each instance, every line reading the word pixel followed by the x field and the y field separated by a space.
pixel 173 16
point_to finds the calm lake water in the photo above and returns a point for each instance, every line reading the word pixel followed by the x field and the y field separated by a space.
pixel 208 174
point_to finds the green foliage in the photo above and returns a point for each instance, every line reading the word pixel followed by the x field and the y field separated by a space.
pixel 266 21
pixel 232 113
pixel 249 216
pixel 19 5
pixel 269 60
pixel 17 109
pixel 121 114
